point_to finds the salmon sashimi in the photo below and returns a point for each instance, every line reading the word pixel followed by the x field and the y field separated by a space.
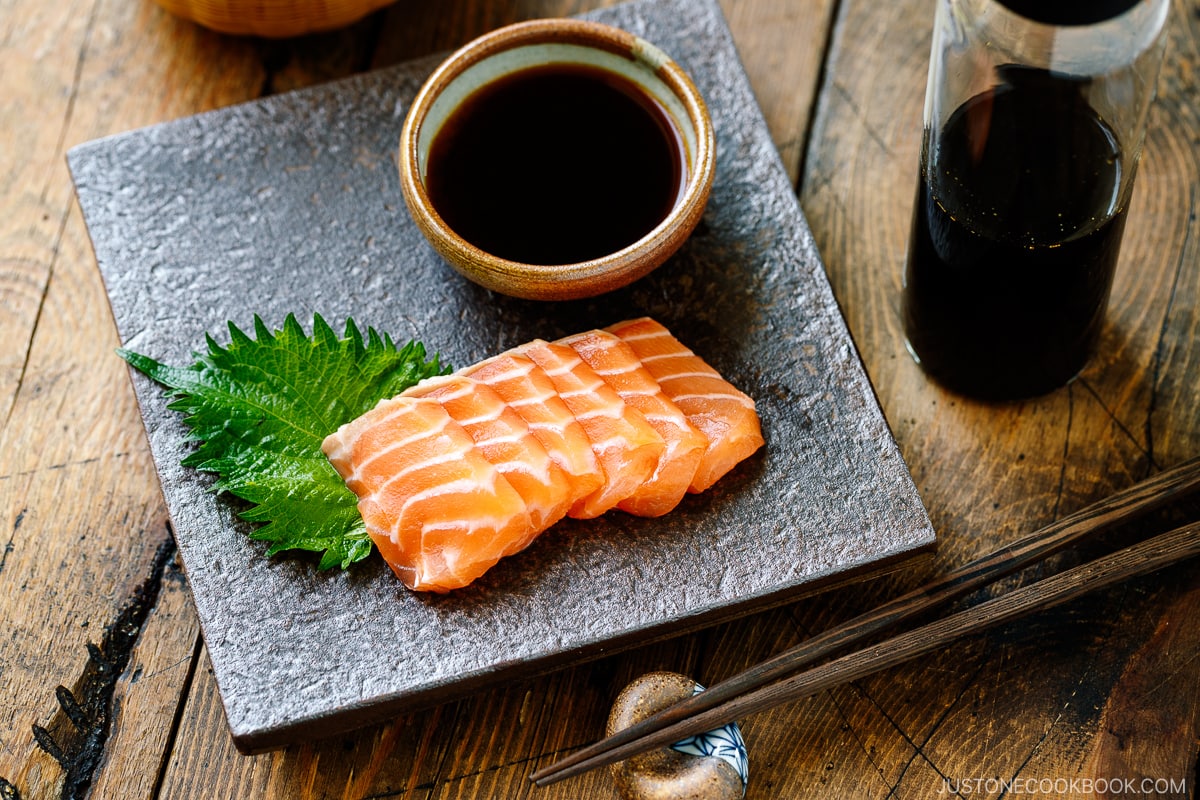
pixel 618 366
pixel 529 391
pixel 725 415
pixel 461 470
pixel 439 512
pixel 625 444
pixel 505 440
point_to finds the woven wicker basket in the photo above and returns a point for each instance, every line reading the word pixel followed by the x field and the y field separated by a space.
pixel 273 18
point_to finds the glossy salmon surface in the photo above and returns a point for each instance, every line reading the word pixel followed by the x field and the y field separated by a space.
pixel 504 439
pixel 461 470
pixel 439 512
pixel 624 443
pixel 724 414
pixel 615 362
pixel 529 391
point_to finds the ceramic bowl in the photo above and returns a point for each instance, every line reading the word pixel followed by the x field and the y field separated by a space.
pixel 273 18
pixel 549 42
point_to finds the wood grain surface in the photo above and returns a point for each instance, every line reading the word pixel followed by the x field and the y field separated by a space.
pixel 92 601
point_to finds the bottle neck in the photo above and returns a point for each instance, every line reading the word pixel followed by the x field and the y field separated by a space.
pixel 1015 31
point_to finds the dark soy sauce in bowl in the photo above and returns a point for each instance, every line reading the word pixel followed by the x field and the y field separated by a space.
pixel 556 164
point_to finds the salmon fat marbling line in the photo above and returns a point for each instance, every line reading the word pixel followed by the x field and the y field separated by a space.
pixel 461 470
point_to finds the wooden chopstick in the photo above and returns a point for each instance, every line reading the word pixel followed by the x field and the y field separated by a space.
pixel 1122 506
pixel 1139 559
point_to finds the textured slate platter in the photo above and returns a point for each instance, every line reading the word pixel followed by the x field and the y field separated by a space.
pixel 292 204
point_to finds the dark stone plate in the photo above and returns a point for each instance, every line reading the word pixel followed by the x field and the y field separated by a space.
pixel 292 204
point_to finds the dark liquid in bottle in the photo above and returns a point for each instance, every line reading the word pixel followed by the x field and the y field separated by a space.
pixel 556 165
pixel 1070 12
pixel 1015 237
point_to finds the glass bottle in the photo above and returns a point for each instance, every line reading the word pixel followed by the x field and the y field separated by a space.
pixel 1035 115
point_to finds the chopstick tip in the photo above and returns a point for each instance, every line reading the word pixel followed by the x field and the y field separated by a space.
pixel 548 775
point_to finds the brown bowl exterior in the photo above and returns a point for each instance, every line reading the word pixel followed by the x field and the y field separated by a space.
pixel 566 281
pixel 274 19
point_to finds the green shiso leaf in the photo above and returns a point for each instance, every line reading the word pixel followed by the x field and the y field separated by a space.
pixel 260 407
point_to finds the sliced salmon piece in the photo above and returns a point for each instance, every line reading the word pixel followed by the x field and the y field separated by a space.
pixel 618 366
pixel 627 448
pixel 725 415
pixel 529 391
pixel 505 440
pixel 439 512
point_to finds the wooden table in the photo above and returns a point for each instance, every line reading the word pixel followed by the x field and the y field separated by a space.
pixel 92 599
